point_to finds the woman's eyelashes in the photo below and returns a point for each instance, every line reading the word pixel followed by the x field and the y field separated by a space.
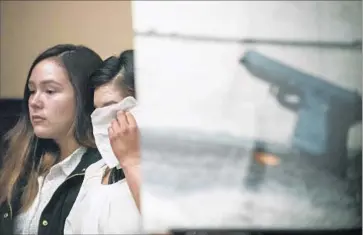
pixel 48 91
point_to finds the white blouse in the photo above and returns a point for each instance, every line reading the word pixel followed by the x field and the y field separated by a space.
pixel 103 209
pixel 28 222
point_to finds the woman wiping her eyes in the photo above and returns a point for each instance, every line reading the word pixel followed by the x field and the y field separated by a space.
pixel 109 202
pixel 114 82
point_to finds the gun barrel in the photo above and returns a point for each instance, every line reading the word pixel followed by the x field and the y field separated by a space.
pixel 280 74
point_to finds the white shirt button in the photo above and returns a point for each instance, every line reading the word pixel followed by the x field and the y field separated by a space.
pixel 44 223
pixel 6 215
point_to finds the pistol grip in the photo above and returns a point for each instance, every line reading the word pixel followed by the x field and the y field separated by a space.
pixel 311 131
pixel 321 132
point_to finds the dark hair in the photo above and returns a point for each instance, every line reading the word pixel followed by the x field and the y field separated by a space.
pixel 25 155
pixel 119 69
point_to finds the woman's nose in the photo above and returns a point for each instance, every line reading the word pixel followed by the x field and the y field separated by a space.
pixel 35 100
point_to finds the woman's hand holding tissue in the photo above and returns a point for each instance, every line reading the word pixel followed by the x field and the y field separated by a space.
pixel 125 142
pixel 125 139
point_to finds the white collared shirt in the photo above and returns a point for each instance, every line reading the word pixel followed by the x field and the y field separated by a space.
pixel 103 209
pixel 28 221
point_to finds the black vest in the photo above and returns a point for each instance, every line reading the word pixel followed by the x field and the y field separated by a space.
pixel 55 213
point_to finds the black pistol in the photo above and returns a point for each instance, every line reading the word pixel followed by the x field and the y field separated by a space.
pixel 325 111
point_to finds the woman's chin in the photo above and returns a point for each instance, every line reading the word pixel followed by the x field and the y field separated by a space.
pixel 42 133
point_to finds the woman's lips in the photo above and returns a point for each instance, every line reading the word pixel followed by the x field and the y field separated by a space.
pixel 37 119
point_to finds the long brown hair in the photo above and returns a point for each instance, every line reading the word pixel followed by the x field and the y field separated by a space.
pixel 27 156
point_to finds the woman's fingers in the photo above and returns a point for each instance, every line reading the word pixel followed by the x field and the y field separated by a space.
pixel 132 125
pixel 122 121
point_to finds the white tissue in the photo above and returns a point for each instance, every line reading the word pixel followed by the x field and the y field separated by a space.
pixel 101 121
